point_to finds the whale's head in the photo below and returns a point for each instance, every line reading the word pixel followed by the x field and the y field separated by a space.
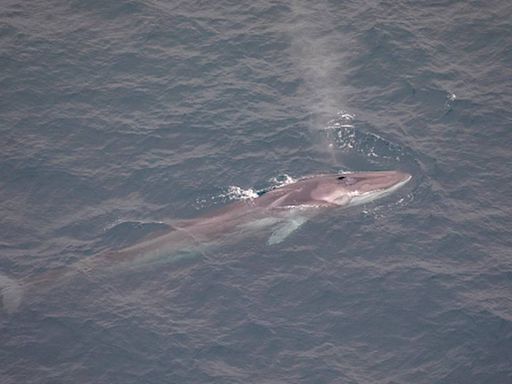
pixel 349 189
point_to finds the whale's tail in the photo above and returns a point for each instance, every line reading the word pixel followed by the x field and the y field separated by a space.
pixel 11 294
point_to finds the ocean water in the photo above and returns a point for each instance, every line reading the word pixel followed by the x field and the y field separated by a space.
pixel 117 116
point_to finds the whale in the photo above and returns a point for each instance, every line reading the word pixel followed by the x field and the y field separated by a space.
pixel 282 211
pixel 277 213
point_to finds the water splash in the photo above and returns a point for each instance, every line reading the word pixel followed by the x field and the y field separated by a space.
pixel 238 193
pixel 233 192
pixel 281 180
pixel 343 133
pixel 450 100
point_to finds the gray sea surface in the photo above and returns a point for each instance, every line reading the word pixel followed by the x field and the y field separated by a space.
pixel 116 116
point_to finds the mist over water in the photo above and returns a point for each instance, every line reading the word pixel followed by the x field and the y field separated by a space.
pixel 119 117
pixel 318 51
pixel 321 52
pixel 317 54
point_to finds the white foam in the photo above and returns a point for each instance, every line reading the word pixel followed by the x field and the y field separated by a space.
pixel 237 193
pixel 283 180
pixel 345 115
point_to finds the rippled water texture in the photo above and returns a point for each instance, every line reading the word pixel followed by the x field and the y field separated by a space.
pixel 117 116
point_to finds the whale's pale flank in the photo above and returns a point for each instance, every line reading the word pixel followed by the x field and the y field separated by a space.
pixel 280 212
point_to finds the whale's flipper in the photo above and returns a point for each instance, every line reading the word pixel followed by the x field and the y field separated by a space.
pixel 284 229
pixel 11 294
